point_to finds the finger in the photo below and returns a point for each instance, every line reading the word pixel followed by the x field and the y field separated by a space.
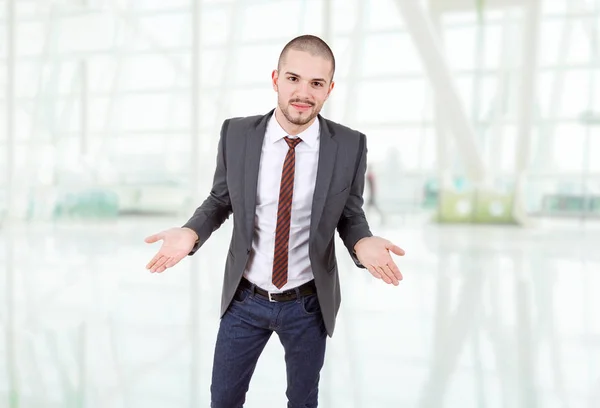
pixel 154 260
pixel 397 250
pixel 392 275
pixel 153 238
pixel 374 272
pixel 395 270
pixel 384 276
pixel 388 275
pixel 160 263
pixel 161 269
pixel 174 260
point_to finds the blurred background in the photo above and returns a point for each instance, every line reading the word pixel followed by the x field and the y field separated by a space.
pixel 483 128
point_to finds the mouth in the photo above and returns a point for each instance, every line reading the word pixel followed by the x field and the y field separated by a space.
pixel 301 107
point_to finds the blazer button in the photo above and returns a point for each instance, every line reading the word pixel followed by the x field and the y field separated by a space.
pixel 248 251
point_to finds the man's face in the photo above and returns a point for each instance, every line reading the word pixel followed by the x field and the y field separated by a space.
pixel 303 84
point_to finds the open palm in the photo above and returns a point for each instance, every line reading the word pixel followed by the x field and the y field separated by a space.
pixel 177 244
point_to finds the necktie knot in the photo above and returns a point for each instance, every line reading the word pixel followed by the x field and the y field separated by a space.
pixel 292 143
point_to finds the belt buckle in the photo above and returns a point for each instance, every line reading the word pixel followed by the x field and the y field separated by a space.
pixel 271 298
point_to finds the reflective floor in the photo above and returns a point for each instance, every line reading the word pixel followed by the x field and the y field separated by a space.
pixel 485 317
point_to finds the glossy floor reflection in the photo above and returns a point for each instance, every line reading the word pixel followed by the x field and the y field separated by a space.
pixel 485 317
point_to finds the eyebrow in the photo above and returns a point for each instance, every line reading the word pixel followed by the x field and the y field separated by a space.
pixel 314 79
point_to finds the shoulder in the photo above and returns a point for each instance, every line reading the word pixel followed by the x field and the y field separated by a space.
pixel 337 129
pixel 352 139
pixel 243 122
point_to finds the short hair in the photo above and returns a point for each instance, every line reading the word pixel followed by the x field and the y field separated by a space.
pixel 311 44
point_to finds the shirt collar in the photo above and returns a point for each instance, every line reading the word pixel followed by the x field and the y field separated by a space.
pixel 308 136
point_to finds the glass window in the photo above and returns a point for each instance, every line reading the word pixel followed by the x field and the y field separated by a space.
pixel 248 102
pixel 88 32
pixel 459 18
pixel 144 112
pixel 27 9
pixel 383 15
pixel 216 23
pixel 593 153
pixel 342 48
pixel 492 47
pixel 413 144
pixel 554 6
pixel 508 149
pixel 262 61
pixel 392 101
pixel 551 37
pixel 285 19
pixel 31 36
pixel 3 135
pixel 166 30
pixel 159 4
pixel 147 112
pixel 460 47
pixel 344 15
pixel 389 54
pixel 151 72
pixel 580 44
pixel 568 146
pixel 575 97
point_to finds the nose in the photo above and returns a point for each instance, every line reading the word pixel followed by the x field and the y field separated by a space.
pixel 303 89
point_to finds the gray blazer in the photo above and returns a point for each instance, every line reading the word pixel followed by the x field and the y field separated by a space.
pixel 337 203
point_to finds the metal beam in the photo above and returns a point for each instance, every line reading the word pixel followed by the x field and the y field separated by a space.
pixel 498 116
pixel 436 68
pixel 357 56
pixel 327 35
pixel 545 151
pixel 443 148
pixel 84 142
pixel 10 106
pixel 11 332
pixel 131 19
pixel 197 168
pixel 531 25
pixel 471 5
pixel 327 19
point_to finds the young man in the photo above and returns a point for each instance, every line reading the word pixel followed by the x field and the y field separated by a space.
pixel 291 178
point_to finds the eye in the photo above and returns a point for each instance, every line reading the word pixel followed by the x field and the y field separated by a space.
pixel 293 79
pixel 317 83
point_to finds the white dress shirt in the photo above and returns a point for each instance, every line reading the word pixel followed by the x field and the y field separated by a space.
pixel 259 269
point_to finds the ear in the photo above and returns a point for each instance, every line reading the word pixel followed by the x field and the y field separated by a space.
pixel 331 86
pixel 274 79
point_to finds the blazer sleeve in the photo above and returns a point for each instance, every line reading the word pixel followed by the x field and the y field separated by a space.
pixel 353 225
pixel 217 207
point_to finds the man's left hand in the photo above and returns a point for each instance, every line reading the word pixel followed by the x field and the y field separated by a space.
pixel 374 254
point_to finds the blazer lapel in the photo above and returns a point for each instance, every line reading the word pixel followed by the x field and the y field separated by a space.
pixel 254 141
pixel 327 155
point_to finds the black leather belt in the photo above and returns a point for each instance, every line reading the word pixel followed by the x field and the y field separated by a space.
pixel 308 288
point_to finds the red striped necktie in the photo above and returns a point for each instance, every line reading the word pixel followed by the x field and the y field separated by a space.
pixel 284 210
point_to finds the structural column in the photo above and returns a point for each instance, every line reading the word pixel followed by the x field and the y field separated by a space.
pixel 443 148
pixel 196 178
pixel 327 36
pixel 447 98
pixel 526 110
pixel 10 106
pixel 11 341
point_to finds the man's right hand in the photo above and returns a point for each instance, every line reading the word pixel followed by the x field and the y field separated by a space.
pixel 177 244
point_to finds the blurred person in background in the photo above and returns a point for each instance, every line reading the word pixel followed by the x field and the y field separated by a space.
pixel 372 195
pixel 291 178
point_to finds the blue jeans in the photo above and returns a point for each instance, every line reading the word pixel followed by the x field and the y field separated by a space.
pixel 243 333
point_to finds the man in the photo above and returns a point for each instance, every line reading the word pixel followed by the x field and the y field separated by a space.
pixel 290 178
pixel 372 189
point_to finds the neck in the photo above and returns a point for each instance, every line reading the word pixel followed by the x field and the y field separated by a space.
pixel 290 128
